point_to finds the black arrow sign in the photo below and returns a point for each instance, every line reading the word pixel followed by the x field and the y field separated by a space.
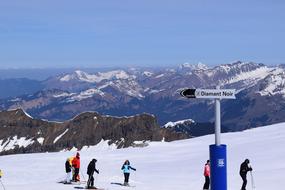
pixel 188 93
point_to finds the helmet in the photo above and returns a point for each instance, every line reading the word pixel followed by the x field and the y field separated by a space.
pixel 247 161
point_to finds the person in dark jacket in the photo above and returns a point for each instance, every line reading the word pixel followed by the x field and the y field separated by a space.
pixel 126 169
pixel 207 175
pixel 90 171
pixel 68 171
pixel 244 168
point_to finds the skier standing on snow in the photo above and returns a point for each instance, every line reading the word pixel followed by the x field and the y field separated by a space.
pixel 244 168
pixel 68 171
pixel 90 171
pixel 126 169
pixel 76 165
pixel 207 175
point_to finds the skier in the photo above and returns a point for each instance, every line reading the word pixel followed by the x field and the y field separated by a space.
pixel 244 168
pixel 207 175
pixel 68 171
pixel 76 165
pixel 126 169
pixel 90 171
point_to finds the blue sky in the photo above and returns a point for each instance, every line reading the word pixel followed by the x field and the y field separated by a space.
pixel 93 33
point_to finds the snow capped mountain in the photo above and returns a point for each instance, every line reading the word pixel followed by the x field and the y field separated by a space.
pixel 189 66
pixel 136 90
pixel 273 84
pixel 95 78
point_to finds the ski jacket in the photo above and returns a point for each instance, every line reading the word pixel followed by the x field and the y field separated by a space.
pixel 92 168
pixel 126 168
pixel 244 168
pixel 76 162
pixel 67 167
pixel 207 170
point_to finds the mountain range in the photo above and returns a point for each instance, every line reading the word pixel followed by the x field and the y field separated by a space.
pixel 125 92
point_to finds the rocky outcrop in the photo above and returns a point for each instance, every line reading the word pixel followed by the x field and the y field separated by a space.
pixel 20 133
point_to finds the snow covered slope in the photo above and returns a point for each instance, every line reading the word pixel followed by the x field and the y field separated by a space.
pixel 176 165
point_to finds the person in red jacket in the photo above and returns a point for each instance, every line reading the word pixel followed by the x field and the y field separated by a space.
pixel 207 175
pixel 76 166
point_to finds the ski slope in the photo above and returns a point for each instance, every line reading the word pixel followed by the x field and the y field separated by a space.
pixel 176 165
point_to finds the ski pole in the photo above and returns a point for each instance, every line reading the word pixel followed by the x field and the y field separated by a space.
pixel 252 181
pixel 83 175
pixel 2 185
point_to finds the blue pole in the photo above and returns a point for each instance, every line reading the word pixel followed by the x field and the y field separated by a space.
pixel 218 165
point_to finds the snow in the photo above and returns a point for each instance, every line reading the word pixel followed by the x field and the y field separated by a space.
pixel 172 124
pixel 27 114
pixel 155 91
pixel 58 137
pixel 161 165
pixel 275 84
pixel 86 94
pixel 65 94
pixel 14 142
pixel 147 73
pixel 93 78
pixel 40 140
pixel 251 77
pixel 159 76
pixel 198 66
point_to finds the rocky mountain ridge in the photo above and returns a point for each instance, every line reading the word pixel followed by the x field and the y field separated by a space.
pixel 20 133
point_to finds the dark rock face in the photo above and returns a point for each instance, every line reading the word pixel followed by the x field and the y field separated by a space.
pixel 24 134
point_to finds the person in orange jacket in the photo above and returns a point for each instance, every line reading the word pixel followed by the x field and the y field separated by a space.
pixel 207 175
pixel 76 166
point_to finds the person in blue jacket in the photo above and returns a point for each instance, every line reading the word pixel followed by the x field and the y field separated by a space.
pixel 126 169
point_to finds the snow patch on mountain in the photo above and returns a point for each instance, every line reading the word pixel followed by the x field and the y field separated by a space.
pixel 249 78
pixel 65 94
pixel 147 73
pixel 159 76
pixel 129 87
pixel 95 78
pixel 12 143
pixel 41 140
pixel 274 84
pixel 199 66
pixel 86 94
pixel 58 137
pixel 181 122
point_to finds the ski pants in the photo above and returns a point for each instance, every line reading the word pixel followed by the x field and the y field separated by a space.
pixel 76 174
pixel 127 175
pixel 90 182
pixel 68 177
pixel 243 176
pixel 207 182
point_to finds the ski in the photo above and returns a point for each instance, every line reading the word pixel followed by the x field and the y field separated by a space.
pixel 89 188
pixel 121 184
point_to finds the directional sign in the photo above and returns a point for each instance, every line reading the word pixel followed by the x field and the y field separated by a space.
pixel 209 93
